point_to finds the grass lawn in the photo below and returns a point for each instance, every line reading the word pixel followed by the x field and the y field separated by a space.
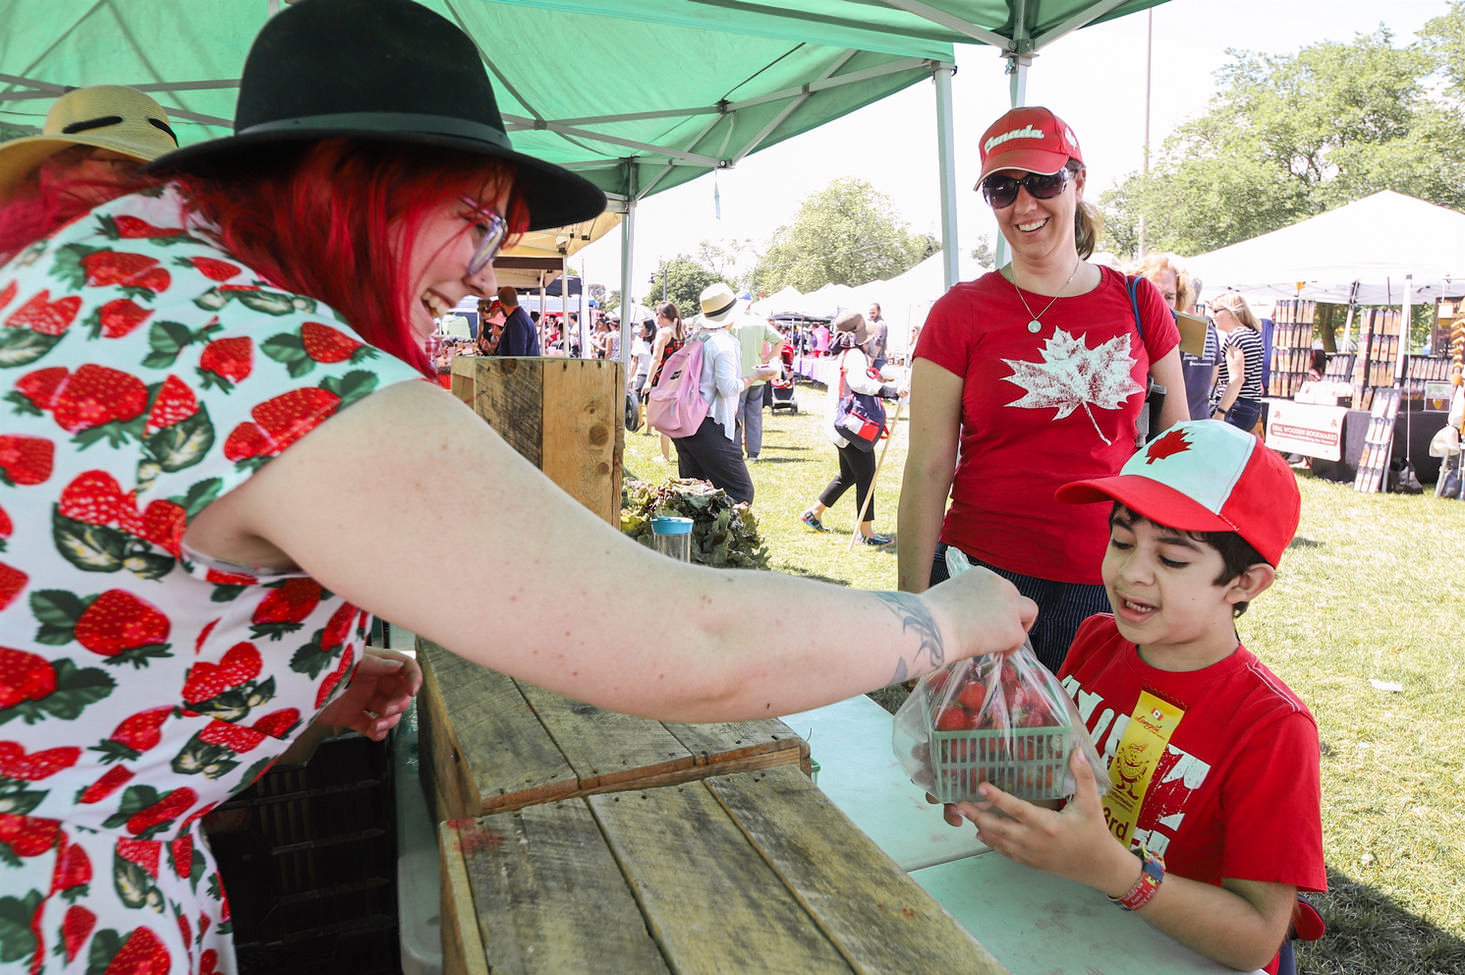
pixel 1372 589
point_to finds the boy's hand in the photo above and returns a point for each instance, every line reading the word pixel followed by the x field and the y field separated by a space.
pixel 1074 843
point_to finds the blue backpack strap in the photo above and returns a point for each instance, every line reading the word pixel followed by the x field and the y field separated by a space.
pixel 1133 282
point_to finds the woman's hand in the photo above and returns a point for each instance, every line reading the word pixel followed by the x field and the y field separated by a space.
pixel 986 612
pixel 382 686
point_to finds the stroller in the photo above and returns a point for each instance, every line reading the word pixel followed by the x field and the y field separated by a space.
pixel 783 386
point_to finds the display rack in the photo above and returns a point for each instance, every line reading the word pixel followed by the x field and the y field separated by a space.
pixel 1291 346
pixel 1378 441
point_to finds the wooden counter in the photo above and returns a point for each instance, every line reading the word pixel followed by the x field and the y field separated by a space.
pixel 752 872
pixel 496 744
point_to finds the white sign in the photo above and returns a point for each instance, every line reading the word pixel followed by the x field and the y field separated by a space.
pixel 1303 428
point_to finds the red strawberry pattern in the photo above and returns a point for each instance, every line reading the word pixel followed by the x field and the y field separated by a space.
pixel 145 373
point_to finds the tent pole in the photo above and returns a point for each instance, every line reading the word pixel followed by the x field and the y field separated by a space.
pixel 1404 330
pixel 950 265
pixel 628 241
pixel 1018 60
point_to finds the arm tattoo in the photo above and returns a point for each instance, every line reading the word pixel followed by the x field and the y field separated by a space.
pixel 915 618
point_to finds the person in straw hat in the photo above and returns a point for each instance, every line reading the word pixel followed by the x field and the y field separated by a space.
pixel 192 404
pixel 91 138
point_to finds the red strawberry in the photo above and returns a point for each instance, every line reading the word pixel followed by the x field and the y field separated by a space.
pixel 180 854
pixel 7 293
pixel 338 629
pixel 136 734
pixel 12 584
pixel 40 387
pixel 95 395
pixel 76 927
pixel 284 608
pixel 162 524
pixel 118 317
pixel 972 695
pixel 951 719
pixel 246 442
pixel 25 460
pixel 119 625
pixel 36 766
pixel 133 228
pixel 157 816
pixel 210 267
pixel 208 962
pixel 93 497
pixel 153 279
pixel 293 414
pixel 141 954
pixel 106 267
pixel 329 684
pixel 225 362
pixel 146 854
pixel 45 316
pixel 174 403
pixel 73 868
pixel 109 783
pixel 208 680
pixel 325 344
pixel 28 836
pixel 24 677
pixel 229 579
pixel 278 724
pixel 237 738
pixel 6 527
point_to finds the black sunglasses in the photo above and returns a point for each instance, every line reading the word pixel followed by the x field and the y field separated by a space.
pixel 1000 192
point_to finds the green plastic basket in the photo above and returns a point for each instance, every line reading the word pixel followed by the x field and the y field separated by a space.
pixel 1030 763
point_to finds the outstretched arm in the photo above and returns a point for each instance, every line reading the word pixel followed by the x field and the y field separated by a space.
pixel 930 464
pixel 562 619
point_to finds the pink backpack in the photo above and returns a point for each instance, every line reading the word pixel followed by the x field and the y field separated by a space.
pixel 675 406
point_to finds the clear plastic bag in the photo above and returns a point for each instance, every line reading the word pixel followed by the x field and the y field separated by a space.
pixel 1004 720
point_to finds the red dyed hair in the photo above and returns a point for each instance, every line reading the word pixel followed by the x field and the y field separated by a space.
pixel 335 220
pixel 47 199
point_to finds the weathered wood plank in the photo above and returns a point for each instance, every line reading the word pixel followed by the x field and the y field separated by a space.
pixel 584 430
pixel 548 896
pixel 878 917
pixel 606 748
pixel 731 740
pixel 487 748
pixel 711 901
pixel 462 949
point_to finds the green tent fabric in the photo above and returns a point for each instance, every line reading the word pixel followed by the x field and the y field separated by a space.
pixel 637 95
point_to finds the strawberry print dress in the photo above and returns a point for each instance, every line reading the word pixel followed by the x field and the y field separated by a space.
pixel 144 373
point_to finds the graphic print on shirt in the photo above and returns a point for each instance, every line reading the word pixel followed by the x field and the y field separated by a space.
pixel 1176 778
pixel 1071 376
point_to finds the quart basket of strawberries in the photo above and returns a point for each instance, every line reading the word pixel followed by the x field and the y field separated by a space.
pixel 1000 720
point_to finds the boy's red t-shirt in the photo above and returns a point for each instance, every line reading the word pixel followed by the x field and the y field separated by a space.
pixel 1039 410
pixel 1237 792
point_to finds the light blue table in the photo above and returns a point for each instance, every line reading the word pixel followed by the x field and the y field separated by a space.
pixel 858 771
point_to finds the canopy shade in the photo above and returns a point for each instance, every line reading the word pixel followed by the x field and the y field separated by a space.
pixel 672 89
pixel 1359 252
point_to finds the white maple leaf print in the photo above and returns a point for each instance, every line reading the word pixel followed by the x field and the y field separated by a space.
pixel 1072 375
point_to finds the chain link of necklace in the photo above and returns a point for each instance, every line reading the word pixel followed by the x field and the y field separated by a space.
pixel 1034 325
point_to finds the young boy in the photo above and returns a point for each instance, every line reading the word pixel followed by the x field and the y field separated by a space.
pixel 1211 822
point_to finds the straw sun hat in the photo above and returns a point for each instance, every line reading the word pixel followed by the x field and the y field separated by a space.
pixel 113 117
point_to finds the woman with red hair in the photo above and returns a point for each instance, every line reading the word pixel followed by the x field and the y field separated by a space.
pixel 220 459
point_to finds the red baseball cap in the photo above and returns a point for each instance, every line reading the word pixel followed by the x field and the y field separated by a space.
pixel 1030 138
pixel 1205 475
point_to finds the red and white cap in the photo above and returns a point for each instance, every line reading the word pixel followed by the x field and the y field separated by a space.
pixel 1030 138
pixel 1205 475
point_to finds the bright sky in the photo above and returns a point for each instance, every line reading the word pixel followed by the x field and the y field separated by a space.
pixel 1094 79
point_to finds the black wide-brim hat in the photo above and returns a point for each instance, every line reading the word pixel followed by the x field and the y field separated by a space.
pixel 380 70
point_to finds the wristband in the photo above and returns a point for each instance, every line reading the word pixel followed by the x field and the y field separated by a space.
pixel 1152 873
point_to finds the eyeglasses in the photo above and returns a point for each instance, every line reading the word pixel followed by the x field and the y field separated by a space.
pixel 494 229
pixel 1000 192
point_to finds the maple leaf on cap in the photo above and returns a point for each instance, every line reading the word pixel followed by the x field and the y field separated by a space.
pixel 1169 445
pixel 1072 375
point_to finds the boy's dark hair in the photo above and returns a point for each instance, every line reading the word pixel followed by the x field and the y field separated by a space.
pixel 1237 554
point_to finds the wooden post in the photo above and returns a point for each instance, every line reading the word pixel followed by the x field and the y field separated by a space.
pixel 566 416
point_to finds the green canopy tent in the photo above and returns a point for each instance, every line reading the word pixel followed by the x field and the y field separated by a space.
pixel 652 93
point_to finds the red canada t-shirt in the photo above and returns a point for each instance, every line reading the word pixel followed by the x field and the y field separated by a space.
pixel 1237 792
pixel 1040 409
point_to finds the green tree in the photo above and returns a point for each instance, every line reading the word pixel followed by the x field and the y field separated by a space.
pixel 1290 136
pixel 685 280
pixel 847 233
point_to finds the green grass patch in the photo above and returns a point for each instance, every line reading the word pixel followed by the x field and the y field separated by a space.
pixel 1372 589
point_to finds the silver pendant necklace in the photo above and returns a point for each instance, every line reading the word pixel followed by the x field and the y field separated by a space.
pixel 1034 325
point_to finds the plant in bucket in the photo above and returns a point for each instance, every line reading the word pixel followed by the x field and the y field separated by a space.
pixel 1003 720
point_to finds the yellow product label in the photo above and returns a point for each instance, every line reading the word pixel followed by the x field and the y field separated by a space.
pixel 1138 755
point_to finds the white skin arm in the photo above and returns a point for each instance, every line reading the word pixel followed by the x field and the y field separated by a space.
pixel 368 503
pixel 1167 373
pixel 1235 376
pixel 1240 923
pixel 930 464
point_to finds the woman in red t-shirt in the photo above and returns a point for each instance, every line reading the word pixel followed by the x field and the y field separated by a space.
pixel 1027 378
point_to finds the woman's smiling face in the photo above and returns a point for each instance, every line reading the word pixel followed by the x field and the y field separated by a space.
pixel 440 253
pixel 1036 228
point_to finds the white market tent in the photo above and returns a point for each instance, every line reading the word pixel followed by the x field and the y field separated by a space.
pixel 1359 253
